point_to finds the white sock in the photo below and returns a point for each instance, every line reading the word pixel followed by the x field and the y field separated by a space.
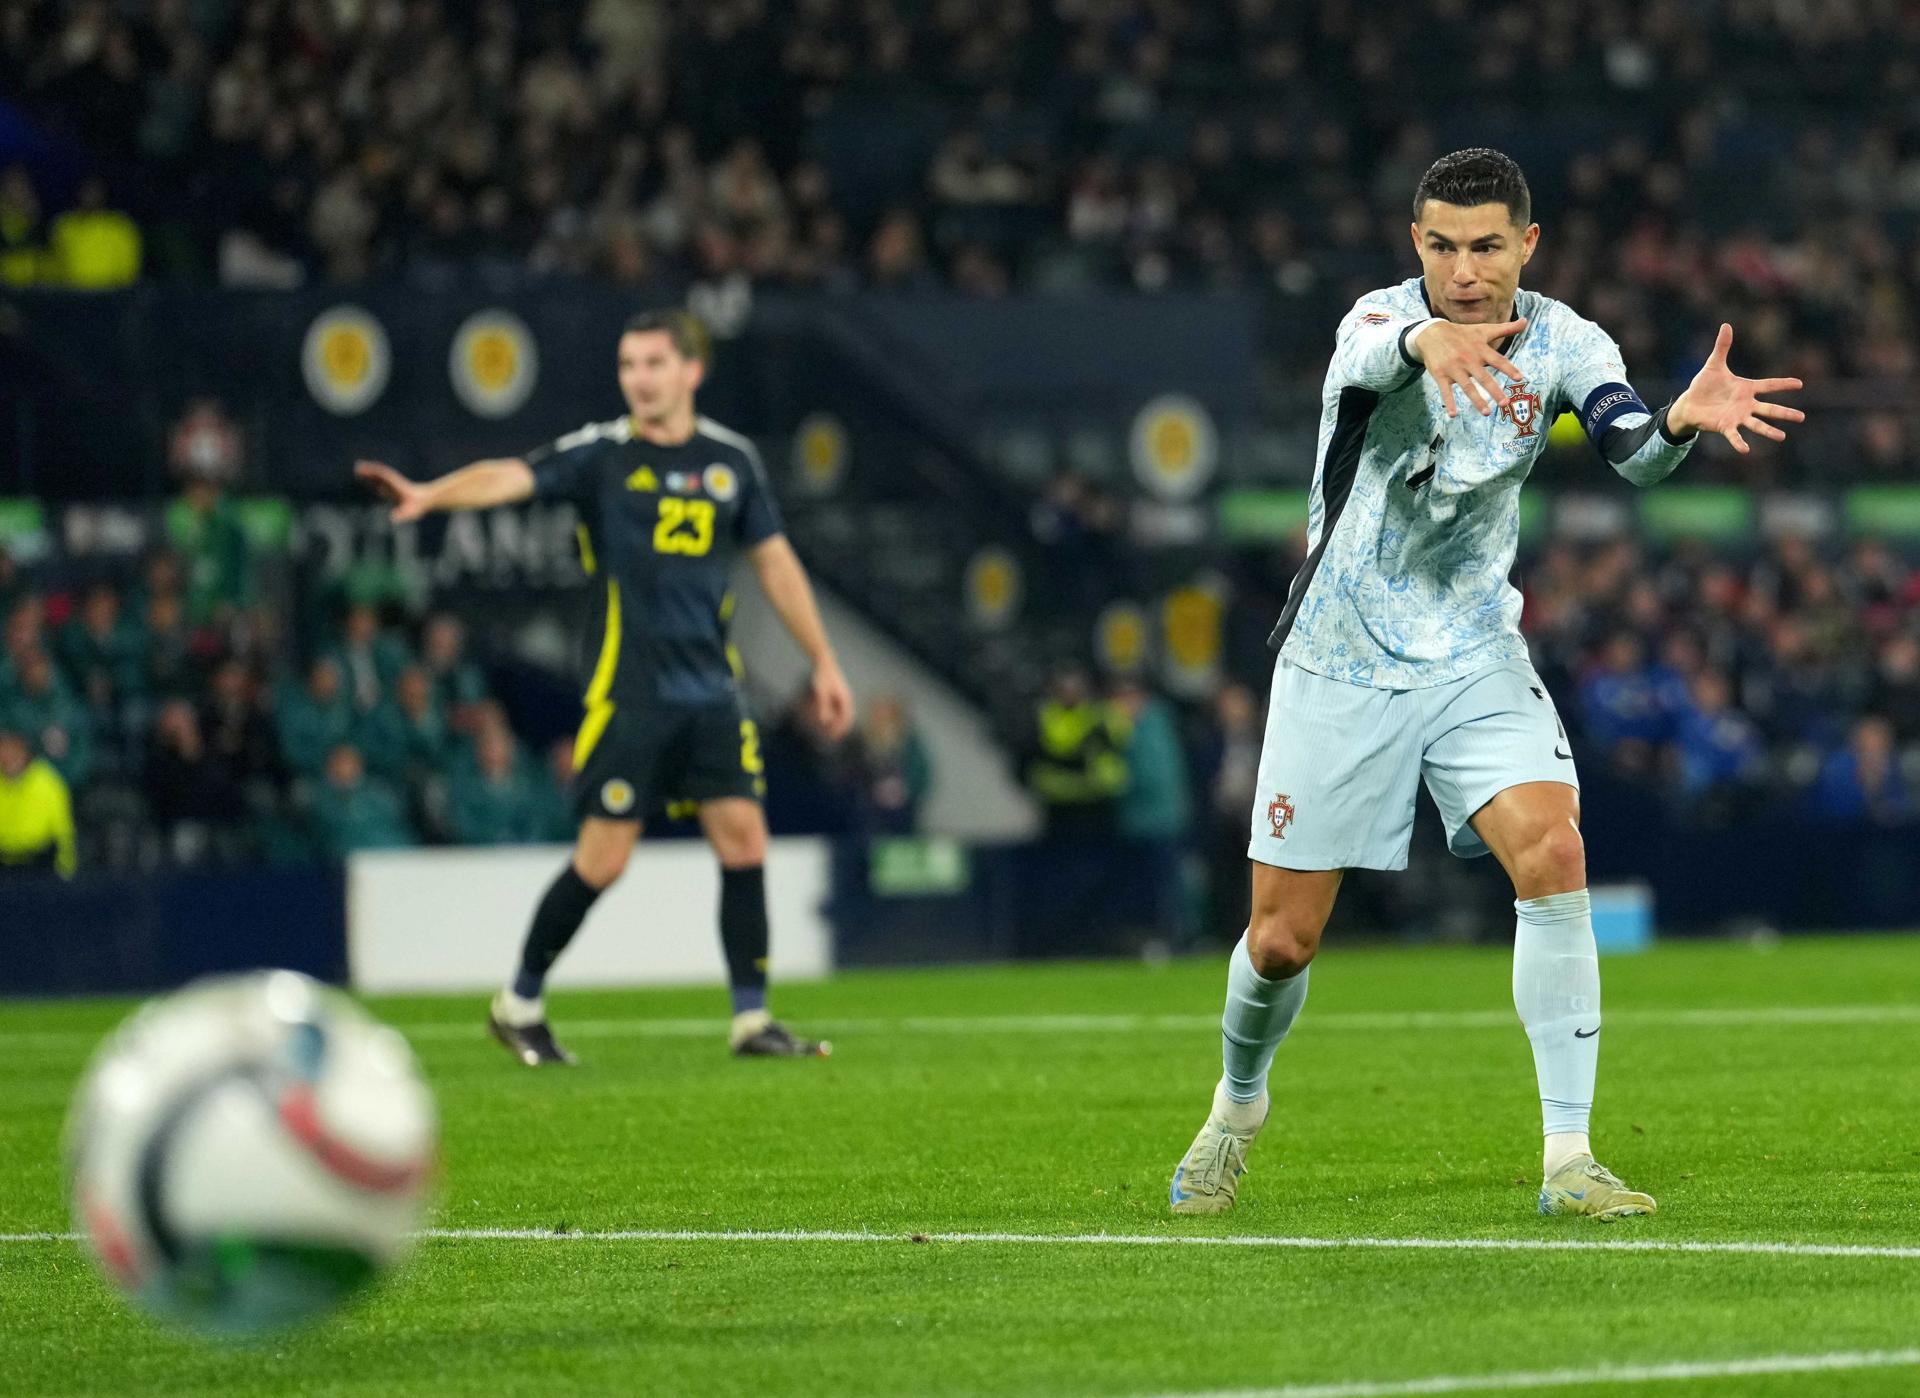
pixel 1556 989
pixel 517 1010
pixel 1563 1146
pixel 1241 1118
pixel 746 1024
pixel 1258 1015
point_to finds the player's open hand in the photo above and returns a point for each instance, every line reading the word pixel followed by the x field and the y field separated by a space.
pixel 832 701
pixel 1719 400
pixel 408 498
pixel 1464 356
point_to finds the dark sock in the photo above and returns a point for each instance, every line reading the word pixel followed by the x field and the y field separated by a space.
pixel 555 921
pixel 743 935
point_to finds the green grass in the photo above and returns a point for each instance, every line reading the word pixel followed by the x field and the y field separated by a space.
pixel 1748 1127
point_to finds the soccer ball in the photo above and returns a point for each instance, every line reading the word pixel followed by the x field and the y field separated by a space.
pixel 245 1153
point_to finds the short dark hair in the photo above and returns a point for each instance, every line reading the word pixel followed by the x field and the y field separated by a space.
pixel 688 332
pixel 1476 176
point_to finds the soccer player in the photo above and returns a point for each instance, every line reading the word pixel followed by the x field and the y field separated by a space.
pixel 1401 657
pixel 667 501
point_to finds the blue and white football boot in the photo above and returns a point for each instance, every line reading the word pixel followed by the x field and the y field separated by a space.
pixel 1584 1186
pixel 1208 1176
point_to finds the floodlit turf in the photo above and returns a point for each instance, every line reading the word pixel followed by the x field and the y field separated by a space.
pixel 1060 1107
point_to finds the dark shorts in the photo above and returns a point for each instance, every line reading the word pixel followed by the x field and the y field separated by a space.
pixel 660 759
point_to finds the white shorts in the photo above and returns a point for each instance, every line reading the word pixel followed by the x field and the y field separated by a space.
pixel 1341 763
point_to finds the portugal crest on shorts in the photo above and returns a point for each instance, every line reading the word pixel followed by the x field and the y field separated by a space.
pixel 1523 409
pixel 617 796
pixel 1280 815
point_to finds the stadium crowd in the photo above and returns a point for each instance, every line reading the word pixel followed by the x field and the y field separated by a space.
pixel 1718 680
pixel 995 144
pixel 203 710
pixel 985 146
pixel 178 711
pixel 1790 676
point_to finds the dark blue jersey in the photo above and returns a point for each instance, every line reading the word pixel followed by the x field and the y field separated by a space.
pixel 660 530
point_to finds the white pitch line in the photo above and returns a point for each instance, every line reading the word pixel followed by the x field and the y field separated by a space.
pixel 1583 1378
pixel 831 1235
pixel 1364 1020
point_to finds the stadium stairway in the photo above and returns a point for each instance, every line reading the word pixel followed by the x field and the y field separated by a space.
pixel 903 532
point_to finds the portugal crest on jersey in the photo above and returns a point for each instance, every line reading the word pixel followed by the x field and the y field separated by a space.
pixel 1280 815
pixel 1523 409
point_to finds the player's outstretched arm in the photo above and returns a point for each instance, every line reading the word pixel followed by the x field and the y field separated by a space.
pixel 1719 400
pixel 480 486
pixel 784 580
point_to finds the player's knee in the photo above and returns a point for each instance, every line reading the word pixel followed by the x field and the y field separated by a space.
pixel 1556 861
pixel 741 848
pixel 1279 945
pixel 601 867
pixel 738 833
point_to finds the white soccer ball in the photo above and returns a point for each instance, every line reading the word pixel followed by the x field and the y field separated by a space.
pixel 245 1153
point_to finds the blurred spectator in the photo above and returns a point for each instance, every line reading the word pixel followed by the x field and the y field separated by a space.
pixel 191 793
pixel 1896 686
pixel 405 738
pixel 44 708
pixel 1074 519
pixel 370 658
pixel 105 654
pixel 26 632
pixel 557 822
pixel 896 257
pixel 203 526
pixel 13 583
pixel 893 768
pixel 23 240
pixel 238 732
pixel 1794 691
pixel 36 813
pixel 1862 783
pixel 1076 765
pixel 1072 509
pixel 1620 705
pixel 813 772
pixel 205 445
pixel 457 682
pixel 170 646
pixel 353 811
pixel 1722 756
pixel 315 720
pixel 1156 811
pixel 94 247
pixel 493 798
pixel 1229 769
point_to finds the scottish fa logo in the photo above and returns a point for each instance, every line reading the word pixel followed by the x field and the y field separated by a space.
pixel 1280 815
pixel 1522 408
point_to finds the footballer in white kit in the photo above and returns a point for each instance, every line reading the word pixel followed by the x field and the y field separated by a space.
pixel 1401 660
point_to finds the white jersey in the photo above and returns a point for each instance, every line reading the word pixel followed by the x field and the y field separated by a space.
pixel 1414 517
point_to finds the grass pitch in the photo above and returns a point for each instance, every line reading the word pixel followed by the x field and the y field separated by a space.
pixel 1765 1096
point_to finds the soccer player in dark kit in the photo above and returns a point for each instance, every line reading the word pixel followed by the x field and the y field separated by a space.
pixel 667 501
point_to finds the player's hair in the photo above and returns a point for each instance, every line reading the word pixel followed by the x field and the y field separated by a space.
pixel 1476 176
pixel 688 332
